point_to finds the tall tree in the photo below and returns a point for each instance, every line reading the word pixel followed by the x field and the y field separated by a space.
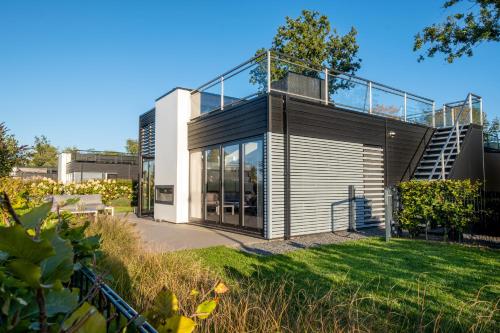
pixel 11 153
pixel 44 153
pixel 461 31
pixel 132 146
pixel 310 38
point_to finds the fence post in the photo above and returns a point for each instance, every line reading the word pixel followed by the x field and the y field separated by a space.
pixel 471 119
pixel 433 114
pixel 326 87
pixel 444 115
pixel 405 110
pixel 388 213
pixel 481 110
pixel 268 71
pixel 222 92
pixel 352 208
pixel 370 97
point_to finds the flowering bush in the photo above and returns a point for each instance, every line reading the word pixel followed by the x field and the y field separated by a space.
pixel 30 193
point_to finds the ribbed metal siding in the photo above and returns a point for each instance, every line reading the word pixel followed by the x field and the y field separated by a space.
pixel 373 177
pixel 320 174
pixel 276 216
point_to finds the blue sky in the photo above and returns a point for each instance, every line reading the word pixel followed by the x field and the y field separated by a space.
pixel 81 72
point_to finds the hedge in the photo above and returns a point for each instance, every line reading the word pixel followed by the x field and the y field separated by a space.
pixel 437 203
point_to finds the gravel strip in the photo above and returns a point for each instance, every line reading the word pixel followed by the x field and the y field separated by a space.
pixel 304 242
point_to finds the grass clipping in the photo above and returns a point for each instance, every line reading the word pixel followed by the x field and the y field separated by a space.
pixel 260 303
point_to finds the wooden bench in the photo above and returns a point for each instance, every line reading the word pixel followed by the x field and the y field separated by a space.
pixel 89 204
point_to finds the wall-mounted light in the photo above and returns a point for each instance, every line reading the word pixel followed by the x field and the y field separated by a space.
pixel 392 134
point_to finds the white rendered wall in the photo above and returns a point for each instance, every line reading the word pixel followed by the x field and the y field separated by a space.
pixel 62 160
pixel 173 112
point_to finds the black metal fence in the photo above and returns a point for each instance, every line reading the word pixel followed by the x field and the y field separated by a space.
pixel 119 315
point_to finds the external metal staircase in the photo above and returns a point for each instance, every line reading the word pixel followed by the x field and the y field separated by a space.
pixel 445 145
pixel 441 153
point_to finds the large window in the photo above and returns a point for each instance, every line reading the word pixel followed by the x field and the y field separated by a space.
pixel 227 184
pixel 196 185
pixel 232 194
pixel 253 184
pixel 212 192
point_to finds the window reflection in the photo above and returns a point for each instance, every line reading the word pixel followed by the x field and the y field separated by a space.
pixel 253 184
pixel 242 185
pixel 232 185
pixel 212 193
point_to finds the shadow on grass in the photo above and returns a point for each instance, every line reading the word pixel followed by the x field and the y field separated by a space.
pixel 419 279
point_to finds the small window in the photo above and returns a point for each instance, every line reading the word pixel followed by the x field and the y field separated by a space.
pixel 164 194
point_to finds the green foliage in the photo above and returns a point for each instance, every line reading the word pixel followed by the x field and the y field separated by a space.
pixel 11 153
pixel 461 31
pixel 39 254
pixel 86 319
pixel 44 154
pixel 165 312
pixel 309 37
pixel 132 146
pixel 28 193
pixel 446 203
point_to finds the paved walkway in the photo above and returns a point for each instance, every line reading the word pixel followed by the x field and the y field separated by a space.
pixel 164 236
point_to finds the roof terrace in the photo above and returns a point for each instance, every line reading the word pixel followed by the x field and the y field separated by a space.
pixel 274 72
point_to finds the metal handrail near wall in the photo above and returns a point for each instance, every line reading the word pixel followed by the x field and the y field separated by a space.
pixel 458 122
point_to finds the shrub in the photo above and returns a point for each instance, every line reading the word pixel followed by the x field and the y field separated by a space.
pixel 30 193
pixel 445 203
pixel 38 256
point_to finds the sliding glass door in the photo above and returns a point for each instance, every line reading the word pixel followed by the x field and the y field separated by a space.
pixel 147 186
pixel 227 184
pixel 213 186
pixel 231 188
pixel 253 184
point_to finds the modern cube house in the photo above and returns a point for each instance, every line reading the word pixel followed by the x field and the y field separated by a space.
pixel 277 148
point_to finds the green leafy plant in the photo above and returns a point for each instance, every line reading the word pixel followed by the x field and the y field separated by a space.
pixel 39 253
pixel 437 203
pixel 29 193
pixel 168 316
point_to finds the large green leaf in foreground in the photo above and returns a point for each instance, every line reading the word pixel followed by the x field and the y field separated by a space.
pixel 17 243
pixel 33 218
pixel 86 319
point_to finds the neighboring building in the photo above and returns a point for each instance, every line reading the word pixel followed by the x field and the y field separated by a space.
pixel 80 165
pixel 32 172
pixel 294 150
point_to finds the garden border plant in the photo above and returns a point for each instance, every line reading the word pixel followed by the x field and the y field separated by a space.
pixel 437 203
pixel 40 251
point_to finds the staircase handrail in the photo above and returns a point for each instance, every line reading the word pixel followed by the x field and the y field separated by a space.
pixel 455 125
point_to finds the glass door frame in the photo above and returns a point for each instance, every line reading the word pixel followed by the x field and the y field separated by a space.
pixel 241 144
pixel 147 181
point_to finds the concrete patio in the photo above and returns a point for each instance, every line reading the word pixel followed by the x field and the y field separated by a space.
pixel 164 236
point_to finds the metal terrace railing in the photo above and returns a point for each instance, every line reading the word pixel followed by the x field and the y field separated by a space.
pixel 492 141
pixel 274 72
pixel 103 157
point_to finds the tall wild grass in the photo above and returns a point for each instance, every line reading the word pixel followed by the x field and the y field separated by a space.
pixel 264 304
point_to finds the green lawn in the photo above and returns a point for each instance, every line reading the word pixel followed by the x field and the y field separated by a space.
pixel 423 280
pixel 122 205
